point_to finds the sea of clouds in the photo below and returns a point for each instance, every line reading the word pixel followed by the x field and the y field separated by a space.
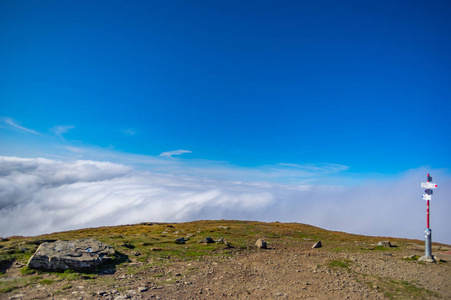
pixel 42 196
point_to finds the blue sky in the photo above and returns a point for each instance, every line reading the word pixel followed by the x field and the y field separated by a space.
pixel 256 90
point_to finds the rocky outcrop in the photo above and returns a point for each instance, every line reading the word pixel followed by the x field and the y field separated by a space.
pixel 78 255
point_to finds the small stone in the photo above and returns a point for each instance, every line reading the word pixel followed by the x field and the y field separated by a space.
pixel 317 245
pixel 261 244
pixel 181 240
pixel 136 253
pixel 101 293
pixel 385 244
pixel 142 289
pixel 207 240
pixel 17 296
pixel 131 292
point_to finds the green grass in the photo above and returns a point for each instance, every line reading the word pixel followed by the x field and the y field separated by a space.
pixel 414 258
pixel 27 271
pixel 69 275
pixel 7 289
pixel 10 285
pixel 395 289
pixel 340 263
pixel 47 281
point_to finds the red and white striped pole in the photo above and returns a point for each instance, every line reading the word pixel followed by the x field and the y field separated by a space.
pixel 427 212
pixel 429 186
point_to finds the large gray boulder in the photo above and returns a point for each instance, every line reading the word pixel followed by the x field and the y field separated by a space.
pixel 78 255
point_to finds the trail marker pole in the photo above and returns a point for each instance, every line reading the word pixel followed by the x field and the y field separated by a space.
pixel 428 196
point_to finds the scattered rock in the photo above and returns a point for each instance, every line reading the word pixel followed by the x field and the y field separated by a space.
pixel 385 244
pixel 136 253
pixel 101 293
pixel 78 255
pixel 17 296
pixel 129 246
pixel 261 244
pixel 181 240
pixel 142 289
pixel 428 259
pixel 207 240
pixel 317 245
pixel 223 227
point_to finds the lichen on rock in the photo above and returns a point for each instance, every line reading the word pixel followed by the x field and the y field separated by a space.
pixel 78 255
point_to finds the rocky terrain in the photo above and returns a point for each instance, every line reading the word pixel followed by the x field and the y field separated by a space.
pixel 153 262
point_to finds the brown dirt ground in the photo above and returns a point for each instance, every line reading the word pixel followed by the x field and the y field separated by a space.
pixel 284 271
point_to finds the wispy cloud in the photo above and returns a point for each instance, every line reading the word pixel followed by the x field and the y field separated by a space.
pixel 61 129
pixel 77 150
pixel 15 124
pixel 42 195
pixel 128 132
pixel 175 152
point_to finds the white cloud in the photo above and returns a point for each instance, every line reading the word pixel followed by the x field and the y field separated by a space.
pixel 59 130
pixel 128 132
pixel 14 124
pixel 77 150
pixel 42 195
pixel 175 152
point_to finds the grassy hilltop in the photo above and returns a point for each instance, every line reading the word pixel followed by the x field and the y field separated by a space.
pixel 148 251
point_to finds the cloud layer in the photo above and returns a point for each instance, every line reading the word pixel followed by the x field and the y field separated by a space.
pixel 41 196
